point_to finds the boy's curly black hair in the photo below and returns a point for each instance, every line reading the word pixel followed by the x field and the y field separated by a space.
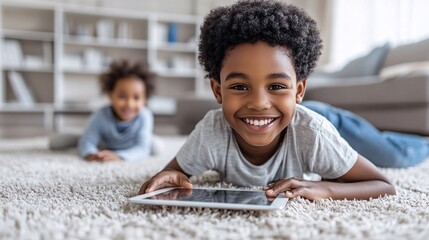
pixel 123 69
pixel 272 22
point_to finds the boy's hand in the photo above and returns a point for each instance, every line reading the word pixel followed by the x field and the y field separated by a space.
pixel 103 156
pixel 166 179
pixel 294 187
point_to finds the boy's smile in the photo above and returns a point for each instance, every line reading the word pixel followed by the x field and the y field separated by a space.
pixel 127 98
pixel 258 91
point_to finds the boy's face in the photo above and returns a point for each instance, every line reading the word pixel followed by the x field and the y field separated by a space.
pixel 128 97
pixel 258 91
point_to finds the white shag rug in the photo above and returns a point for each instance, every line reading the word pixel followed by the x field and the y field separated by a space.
pixel 56 195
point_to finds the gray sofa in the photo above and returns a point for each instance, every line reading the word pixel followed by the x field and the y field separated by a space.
pixel 191 110
pixel 389 87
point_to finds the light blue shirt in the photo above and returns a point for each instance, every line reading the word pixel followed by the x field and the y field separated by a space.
pixel 130 140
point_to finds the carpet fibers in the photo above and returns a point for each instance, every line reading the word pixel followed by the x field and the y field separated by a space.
pixel 56 195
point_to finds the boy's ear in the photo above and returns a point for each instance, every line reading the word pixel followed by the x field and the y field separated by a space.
pixel 300 90
pixel 216 90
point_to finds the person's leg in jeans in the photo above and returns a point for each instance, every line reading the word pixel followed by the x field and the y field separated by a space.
pixel 383 148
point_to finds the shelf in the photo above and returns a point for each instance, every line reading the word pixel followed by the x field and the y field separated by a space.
pixel 83 71
pixel 167 73
pixel 28 35
pixel 162 106
pixel 177 47
pixel 38 69
pixel 105 12
pixel 171 73
pixel 97 42
pixel 182 19
pixel 73 109
pixel 22 108
pixel 67 46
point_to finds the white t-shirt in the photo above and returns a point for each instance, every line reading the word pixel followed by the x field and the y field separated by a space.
pixel 311 145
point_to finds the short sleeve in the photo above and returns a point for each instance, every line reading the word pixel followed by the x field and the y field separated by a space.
pixel 195 157
pixel 332 156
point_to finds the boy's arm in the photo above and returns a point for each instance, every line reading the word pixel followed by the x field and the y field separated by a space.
pixel 362 181
pixel 141 150
pixel 171 176
pixel 89 141
pixel 144 140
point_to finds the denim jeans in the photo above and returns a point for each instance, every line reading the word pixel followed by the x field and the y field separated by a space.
pixel 383 148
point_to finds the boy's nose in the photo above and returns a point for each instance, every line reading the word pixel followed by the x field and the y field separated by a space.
pixel 129 102
pixel 258 100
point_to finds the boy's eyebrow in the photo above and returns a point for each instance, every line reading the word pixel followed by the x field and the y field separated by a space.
pixel 236 75
pixel 270 76
pixel 279 75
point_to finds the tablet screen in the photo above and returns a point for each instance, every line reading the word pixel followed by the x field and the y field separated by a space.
pixel 225 198
pixel 215 196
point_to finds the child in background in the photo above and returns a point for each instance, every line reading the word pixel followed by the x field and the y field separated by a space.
pixel 123 129
pixel 258 55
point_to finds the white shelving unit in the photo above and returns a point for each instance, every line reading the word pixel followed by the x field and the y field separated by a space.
pixel 62 49
pixel 32 37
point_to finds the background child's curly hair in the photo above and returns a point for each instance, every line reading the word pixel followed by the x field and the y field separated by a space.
pixel 273 22
pixel 123 69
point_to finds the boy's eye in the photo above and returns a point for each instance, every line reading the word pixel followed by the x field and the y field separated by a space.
pixel 238 87
pixel 276 87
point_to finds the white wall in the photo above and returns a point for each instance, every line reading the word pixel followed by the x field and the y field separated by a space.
pixel 360 25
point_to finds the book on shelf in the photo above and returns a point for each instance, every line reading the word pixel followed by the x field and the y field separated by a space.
pixel 172 32
pixel 93 59
pixel 20 89
pixel 72 61
pixel 12 53
pixel 34 61
pixel 165 33
pixel 105 30
pixel 47 53
pixel 124 31
pixel 159 34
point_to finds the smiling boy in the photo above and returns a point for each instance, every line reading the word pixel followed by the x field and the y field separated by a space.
pixel 258 55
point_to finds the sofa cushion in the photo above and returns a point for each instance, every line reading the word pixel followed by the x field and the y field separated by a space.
pixel 401 91
pixel 368 65
pixel 410 119
pixel 404 69
pixel 318 82
pixel 414 52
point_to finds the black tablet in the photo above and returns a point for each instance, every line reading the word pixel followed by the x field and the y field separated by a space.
pixel 212 198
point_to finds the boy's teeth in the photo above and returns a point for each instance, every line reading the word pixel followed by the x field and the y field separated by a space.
pixel 259 122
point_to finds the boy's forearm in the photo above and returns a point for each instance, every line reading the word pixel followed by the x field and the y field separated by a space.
pixel 359 190
pixel 173 165
pixel 134 153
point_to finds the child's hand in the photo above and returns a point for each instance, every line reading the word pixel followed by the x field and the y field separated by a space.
pixel 166 179
pixel 103 156
pixel 294 187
